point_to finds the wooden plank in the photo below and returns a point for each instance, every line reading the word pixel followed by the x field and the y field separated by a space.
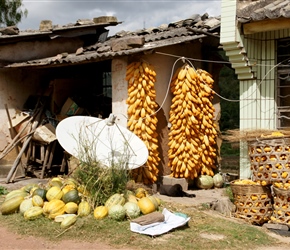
pixel 25 145
pixel 14 134
pixel 266 25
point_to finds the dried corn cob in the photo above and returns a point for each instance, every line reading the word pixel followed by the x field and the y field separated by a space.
pixel 142 118
pixel 192 136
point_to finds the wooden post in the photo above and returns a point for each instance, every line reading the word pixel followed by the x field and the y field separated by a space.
pixel 13 132
pixel 24 146
pixel 16 140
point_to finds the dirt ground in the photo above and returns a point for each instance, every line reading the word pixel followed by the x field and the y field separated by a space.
pixel 10 240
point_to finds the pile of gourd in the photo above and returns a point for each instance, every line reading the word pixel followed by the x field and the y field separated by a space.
pixel 63 200
pixel 60 200
pixel 129 205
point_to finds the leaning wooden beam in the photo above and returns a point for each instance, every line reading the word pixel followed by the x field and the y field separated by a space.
pixel 24 146
pixel 15 143
pixel 14 133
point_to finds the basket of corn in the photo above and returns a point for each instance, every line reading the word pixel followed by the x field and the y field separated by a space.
pixel 281 206
pixel 270 159
pixel 253 201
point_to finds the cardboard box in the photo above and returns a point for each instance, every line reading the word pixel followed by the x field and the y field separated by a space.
pixel 71 108
pixel 45 133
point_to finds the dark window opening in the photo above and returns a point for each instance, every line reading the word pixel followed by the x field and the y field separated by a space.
pixel 283 84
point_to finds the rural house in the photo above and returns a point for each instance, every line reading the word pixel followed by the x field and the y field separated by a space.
pixel 79 64
pixel 255 34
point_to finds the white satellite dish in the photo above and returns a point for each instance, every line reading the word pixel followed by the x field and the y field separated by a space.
pixel 90 138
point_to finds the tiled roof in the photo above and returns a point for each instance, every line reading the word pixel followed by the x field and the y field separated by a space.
pixel 80 26
pixel 195 27
pixel 263 9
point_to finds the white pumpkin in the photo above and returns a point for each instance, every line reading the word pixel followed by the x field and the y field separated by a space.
pixel 205 182
pixel 218 180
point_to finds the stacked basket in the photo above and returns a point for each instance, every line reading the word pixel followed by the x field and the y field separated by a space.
pixel 253 201
pixel 281 214
pixel 270 160
pixel 270 164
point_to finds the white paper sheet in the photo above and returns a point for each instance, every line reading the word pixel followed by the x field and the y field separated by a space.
pixel 170 222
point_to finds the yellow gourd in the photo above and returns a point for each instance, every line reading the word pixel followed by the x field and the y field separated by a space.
pixel 68 221
pixel 53 208
pixel 33 213
pixel 37 201
pixel 101 212
pixel 140 192
pixel 54 192
pixel 84 208
pixel 146 205
pixel 71 208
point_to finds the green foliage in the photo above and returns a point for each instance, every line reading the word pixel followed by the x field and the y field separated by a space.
pixel 100 181
pixel 11 12
pixel 229 89
pixel 229 193
pixel 227 149
pixel 3 190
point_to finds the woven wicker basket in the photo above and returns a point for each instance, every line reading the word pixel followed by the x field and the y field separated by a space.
pixel 281 213
pixel 270 159
pixel 253 202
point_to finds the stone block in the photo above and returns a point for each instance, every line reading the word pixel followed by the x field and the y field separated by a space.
pixel 127 43
pixel 45 25
pixel 276 226
pixel 168 180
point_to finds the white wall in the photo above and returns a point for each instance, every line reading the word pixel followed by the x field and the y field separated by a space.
pixel 14 91
pixel 119 90
pixel 258 96
pixel 228 21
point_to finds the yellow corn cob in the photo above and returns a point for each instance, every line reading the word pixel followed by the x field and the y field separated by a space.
pixel 142 118
pixel 191 116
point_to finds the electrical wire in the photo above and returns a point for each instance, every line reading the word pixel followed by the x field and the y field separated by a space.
pixel 188 60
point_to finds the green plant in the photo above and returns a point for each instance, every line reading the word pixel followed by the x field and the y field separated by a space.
pixel 229 193
pixel 101 181
pixel 3 190
pixel 205 206
pixel 228 149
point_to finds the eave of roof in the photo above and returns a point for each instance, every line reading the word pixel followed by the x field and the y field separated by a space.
pixel 56 31
pixel 96 56
pixel 262 10
pixel 165 35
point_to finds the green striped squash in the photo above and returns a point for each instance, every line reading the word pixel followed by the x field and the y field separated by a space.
pixel 68 221
pixel 72 196
pixel 14 193
pixel 33 213
pixel 115 199
pixel 54 193
pixel 11 205
pixel 25 205
pixel 84 208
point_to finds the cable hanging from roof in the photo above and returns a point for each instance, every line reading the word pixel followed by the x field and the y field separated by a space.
pixel 212 61
pixel 185 59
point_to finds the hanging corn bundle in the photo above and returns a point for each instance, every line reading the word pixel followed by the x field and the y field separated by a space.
pixel 142 119
pixel 192 136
